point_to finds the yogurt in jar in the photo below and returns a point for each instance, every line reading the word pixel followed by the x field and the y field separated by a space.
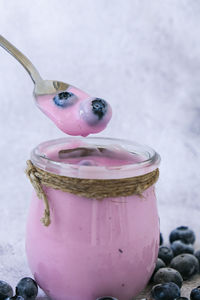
pixel 93 247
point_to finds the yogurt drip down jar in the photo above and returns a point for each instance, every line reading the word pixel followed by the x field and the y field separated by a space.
pixel 102 237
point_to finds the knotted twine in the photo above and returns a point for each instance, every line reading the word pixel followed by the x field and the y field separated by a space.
pixel 89 188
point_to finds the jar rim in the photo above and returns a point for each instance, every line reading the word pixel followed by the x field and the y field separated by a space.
pixel 150 162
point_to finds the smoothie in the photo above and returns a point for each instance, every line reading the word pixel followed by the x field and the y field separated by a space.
pixel 93 247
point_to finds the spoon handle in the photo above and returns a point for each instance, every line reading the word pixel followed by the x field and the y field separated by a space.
pixel 35 76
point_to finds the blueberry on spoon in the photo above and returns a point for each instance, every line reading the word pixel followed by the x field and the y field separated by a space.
pixel 95 111
pixel 65 99
pixel 99 107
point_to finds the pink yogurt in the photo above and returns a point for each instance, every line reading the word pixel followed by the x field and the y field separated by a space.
pixel 76 117
pixel 94 248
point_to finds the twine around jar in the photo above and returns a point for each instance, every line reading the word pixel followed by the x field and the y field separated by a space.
pixel 89 188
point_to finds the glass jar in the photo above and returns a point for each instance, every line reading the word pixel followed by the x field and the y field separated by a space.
pixel 92 247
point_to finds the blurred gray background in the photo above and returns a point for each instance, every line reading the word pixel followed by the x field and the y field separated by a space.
pixel 142 56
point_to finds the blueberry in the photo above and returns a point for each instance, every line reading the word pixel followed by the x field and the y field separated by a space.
pixel 197 254
pixel 15 298
pixel 183 233
pixel 161 238
pixel 99 107
pixel 178 247
pixel 159 264
pixel 65 99
pixel 95 111
pixel 182 298
pixel 106 298
pixel 5 290
pixel 195 294
pixel 166 291
pixel 27 288
pixel 166 254
pixel 165 275
pixel 187 265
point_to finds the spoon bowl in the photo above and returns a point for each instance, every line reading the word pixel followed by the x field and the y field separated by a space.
pixel 49 87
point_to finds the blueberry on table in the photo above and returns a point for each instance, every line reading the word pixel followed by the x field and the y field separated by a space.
pixel 178 247
pixel 15 298
pixel 5 290
pixel 197 254
pixel 165 275
pixel 187 265
pixel 27 288
pixel 183 233
pixel 166 291
pixel 161 238
pixel 195 294
pixel 107 298
pixel 159 264
pixel 166 254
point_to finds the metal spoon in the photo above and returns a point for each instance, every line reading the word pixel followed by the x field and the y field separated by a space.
pixel 42 86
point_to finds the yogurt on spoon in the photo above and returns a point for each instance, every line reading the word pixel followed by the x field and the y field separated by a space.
pixel 75 112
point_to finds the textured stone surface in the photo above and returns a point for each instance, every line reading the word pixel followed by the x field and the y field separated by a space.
pixel 143 57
